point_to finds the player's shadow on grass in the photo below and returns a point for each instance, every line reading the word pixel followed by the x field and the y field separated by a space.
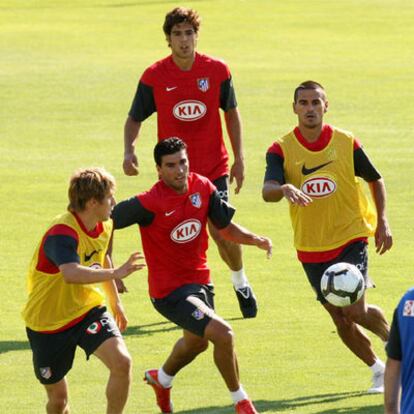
pixel 263 406
pixel 7 346
pixel 151 329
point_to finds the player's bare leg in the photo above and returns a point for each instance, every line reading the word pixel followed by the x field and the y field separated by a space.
pixel 185 351
pixel 231 253
pixel 114 354
pixel 221 335
pixel 57 396
pixel 352 335
pixel 370 317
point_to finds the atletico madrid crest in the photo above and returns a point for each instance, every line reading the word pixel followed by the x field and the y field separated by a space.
pixel 195 200
pixel 203 84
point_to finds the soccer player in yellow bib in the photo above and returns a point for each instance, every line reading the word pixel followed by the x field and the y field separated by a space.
pixel 316 167
pixel 65 309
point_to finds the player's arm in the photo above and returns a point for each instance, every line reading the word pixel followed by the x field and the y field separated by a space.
pixel 220 214
pixel 275 188
pixel 392 386
pixel 76 273
pixel 114 301
pixel 393 369
pixel 60 248
pixel 232 118
pixel 131 132
pixel 142 107
pixel 366 170
pixel 234 131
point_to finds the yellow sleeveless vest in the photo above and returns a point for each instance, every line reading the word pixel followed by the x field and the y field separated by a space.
pixel 340 210
pixel 53 303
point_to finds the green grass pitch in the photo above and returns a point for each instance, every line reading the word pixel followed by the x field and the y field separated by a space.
pixel 68 72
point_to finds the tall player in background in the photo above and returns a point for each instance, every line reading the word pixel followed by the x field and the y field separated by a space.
pixel 187 89
pixel 65 309
pixel 315 167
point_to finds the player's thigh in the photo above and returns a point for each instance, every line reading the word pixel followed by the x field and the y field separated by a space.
pixel 114 353
pixel 191 307
pixel 58 391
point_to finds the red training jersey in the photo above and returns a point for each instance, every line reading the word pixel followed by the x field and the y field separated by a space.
pixel 176 241
pixel 187 105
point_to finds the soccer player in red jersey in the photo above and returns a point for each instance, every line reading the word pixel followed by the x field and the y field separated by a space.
pixel 187 90
pixel 316 167
pixel 172 218
pixel 65 309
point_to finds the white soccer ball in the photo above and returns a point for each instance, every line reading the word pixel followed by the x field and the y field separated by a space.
pixel 342 284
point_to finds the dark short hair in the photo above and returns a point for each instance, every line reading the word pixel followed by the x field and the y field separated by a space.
pixel 86 184
pixel 181 15
pixel 166 147
pixel 307 85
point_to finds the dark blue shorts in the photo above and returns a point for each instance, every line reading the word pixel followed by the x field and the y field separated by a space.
pixel 222 185
pixel 356 254
pixel 190 306
pixel 53 353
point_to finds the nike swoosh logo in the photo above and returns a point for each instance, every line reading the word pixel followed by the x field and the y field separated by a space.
pixel 89 256
pixel 168 213
pixel 307 171
pixel 169 89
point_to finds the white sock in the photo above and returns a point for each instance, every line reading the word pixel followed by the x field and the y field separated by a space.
pixel 239 395
pixel 378 367
pixel 164 379
pixel 239 279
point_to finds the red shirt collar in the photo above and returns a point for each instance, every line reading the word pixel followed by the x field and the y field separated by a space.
pixel 94 233
pixel 322 141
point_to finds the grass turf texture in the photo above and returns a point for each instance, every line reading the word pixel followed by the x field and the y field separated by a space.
pixel 68 74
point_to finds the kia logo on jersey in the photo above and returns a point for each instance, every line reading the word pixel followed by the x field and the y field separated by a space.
pixel 189 110
pixel 186 231
pixel 318 187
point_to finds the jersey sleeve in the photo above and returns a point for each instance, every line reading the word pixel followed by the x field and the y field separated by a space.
pixel 60 245
pixel 219 211
pixel 227 95
pixel 143 104
pixel 274 164
pixel 363 166
pixel 130 212
pixel 393 347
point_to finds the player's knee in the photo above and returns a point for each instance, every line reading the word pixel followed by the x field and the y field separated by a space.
pixel 57 402
pixel 122 365
pixel 226 338
pixel 200 347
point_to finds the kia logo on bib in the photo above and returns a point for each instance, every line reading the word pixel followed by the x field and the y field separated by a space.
pixel 318 187
pixel 186 231
pixel 189 110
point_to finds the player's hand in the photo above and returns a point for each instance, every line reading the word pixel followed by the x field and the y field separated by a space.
pixel 134 263
pixel 265 243
pixel 130 164
pixel 295 196
pixel 237 173
pixel 120 316
pixel 383 237
pixel 120 286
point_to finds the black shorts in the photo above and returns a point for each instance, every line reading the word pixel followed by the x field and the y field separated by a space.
pixel 222 185
pixel 190 306
pixel 356 254
pixel 53 353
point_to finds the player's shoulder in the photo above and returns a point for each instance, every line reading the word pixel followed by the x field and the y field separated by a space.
pixel 199 181
pixel 153 71
pixel 343 132
pixel 213 63
pixel 63 225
